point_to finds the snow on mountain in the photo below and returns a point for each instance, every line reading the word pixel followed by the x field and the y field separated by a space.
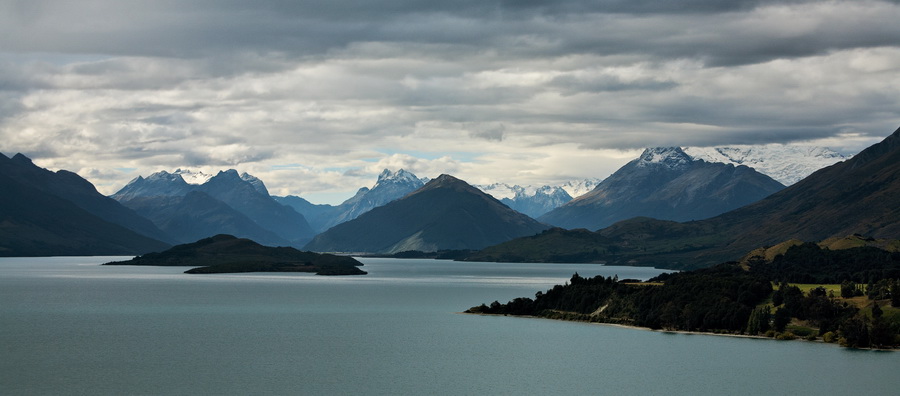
pixel 667 184
pixel 577 188
pixel 786 163
pixel 159 184
pixel 535 201
pixel 255 182
pixel 573 188
pixel 193 177
pixel 500 190
pixel 671 157
pixel 399 177
pixel 167 197
pixel 391 185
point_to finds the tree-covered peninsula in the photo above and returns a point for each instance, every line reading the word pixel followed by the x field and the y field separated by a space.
pixel 227 254
pixel 850 296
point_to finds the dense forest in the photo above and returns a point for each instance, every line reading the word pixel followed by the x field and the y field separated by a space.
pixel 848 296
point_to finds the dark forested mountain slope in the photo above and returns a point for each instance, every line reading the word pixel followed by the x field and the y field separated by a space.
pixel 37 223
pixel 73 188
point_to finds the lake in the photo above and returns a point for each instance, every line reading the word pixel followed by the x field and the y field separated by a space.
pixel 70 326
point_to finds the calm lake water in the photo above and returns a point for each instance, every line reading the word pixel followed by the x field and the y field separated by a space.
pixel 70 326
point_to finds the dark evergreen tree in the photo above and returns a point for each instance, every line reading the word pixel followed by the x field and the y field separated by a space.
pixel 759 320
pixel 781 319
pixel 855 332
pixel 895 294
pixel 881 334
pixel 848 289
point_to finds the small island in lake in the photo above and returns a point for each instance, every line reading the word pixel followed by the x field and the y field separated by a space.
pixel 229 254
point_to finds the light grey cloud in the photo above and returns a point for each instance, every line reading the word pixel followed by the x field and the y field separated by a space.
pixel 513 91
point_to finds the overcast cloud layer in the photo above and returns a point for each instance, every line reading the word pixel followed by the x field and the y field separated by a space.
pixel 316 98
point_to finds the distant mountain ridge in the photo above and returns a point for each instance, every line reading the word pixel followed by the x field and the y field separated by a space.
pixel 228 203
pixel 664 183
pixel 858 196
pixel 445 213
pixel 390 186
pixel 536 201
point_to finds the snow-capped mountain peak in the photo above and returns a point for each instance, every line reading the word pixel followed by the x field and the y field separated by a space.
pixel 162 176
pixel 574 188
pixel 400 176
pixel 256 182
pixel 161 183
pixel 671 157
pixel 531 200
pixel 577 188
pixel 501 190
pixel 193 177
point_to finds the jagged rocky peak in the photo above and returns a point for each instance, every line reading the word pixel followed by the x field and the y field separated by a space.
pixel 228 174
pixel 547 190
pixel 163 176
pixel 400 176
pixel 572 188
pixel 671 157
pixel 256 182
pixel 158 184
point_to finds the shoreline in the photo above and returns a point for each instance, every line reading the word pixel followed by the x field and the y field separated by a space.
pixel 685 332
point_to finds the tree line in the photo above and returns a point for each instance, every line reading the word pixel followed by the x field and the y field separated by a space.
pixel 730 298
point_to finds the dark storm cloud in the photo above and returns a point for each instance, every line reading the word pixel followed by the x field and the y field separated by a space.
pixel 712 30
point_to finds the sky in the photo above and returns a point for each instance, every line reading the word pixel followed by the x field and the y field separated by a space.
pixel 317 97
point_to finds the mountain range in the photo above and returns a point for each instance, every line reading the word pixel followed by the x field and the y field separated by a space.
pixel 227 203
pixel 535 201
pixel 391 185
pixel 446 213
pixel 401 212
pixel 787 164
pixel 664 183
pixel 45 213
pixel 856 196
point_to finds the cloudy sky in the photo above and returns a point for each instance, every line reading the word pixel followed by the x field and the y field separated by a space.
pixel 316 97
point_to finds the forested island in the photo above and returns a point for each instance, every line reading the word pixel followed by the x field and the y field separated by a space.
pixel 849 296
pixel 229 254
